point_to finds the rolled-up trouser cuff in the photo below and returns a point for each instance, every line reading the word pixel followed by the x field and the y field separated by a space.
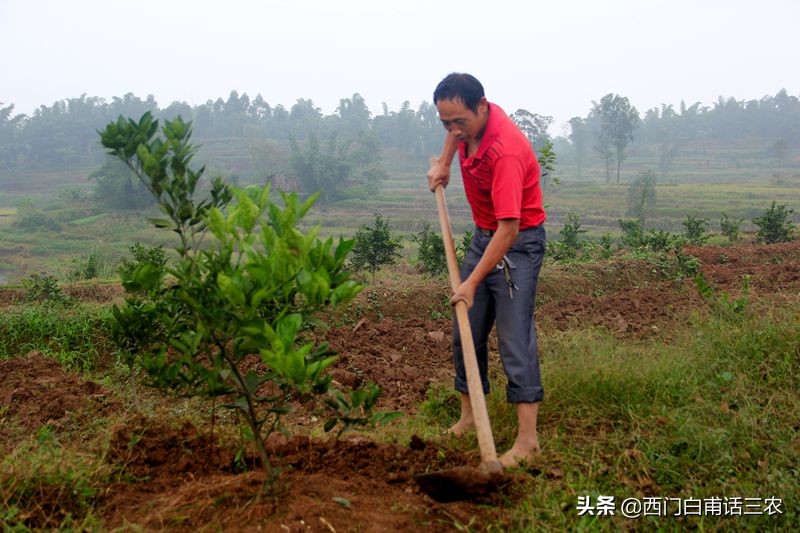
pixel 461 385
pixel 524 394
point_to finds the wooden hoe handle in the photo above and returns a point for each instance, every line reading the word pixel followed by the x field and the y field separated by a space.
pixel 477 399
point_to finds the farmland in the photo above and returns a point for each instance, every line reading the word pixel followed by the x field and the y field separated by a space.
pixel 658 385
pixel 652 391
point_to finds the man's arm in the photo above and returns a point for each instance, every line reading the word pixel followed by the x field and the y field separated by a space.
pixel 502 240
pixel 439 173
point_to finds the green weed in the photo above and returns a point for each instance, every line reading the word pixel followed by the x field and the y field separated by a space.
pixel 74 336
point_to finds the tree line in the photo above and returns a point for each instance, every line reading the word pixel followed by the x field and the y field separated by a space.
pixel 613 123
pixel 63 134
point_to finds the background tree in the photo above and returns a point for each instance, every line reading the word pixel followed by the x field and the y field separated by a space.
pixel 533 126
pixel 618 119
pixel 353 116
pixel 374 247
pixel 602 141
pixel 696 229
pixel 547 163
pixel 779 150
pixel 730 227
pixel 579 137
pixel 336 168
pixel 431 253
pixel 775 224
pixel 118 187
pixel 642 196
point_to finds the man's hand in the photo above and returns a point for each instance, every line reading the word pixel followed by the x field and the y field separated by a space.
pixel 438 174
pixel 464 293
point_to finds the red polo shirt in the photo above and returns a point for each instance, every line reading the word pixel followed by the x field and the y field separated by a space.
pixel 502 178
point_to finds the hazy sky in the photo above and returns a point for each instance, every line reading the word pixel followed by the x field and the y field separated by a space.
pixel 552 58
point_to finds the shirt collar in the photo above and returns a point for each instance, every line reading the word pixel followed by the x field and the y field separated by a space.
pixel 496 117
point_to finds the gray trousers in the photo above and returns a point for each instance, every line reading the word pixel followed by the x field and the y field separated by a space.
pixel 516 329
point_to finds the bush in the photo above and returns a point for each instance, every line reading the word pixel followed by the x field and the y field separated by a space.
pixel 730 227
pixel 642 195
pixel 143 255
pixel 251 288
pixel 606 246
pixel 431 250
pixel 696 229
pixel 374 247
pixel 37 221
pixel 632 233
pixel 44 288
pixel 570 236
pixel 87 269
pixel 463 246
pixel 775 224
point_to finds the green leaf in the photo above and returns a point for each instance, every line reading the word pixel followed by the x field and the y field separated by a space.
pixel 344 502
pixel 288 327
pixel 161 223
pixel 232 292
pixel 252 381
pixel 329 424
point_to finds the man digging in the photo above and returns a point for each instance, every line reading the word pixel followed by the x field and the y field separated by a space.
pixel 501 268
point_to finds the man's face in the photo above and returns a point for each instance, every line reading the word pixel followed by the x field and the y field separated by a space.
pixel 460 121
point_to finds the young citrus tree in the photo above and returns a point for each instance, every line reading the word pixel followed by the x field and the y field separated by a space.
pixel 246 282
pixel 374 247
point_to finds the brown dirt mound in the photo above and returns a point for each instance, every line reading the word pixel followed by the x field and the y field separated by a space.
pixel 145 446
pixel 746 254
pixel 640 311
pixel 633 313
pixel 402 356
pixel 36 390
pixel 347 485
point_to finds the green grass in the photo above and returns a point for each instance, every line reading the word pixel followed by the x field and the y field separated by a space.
pixel 713 412
pixel 46 486
pixel 74 335
pixel 706 409
pixel 88 220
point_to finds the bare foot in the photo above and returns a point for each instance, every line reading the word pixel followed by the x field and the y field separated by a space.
pixel 461 427
pixel 517 455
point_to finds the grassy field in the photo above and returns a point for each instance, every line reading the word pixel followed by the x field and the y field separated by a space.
pixel 705 181
pixel 702 408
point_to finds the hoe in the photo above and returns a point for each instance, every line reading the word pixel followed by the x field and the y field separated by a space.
pixel 464 482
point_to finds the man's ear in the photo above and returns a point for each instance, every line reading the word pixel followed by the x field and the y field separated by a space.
pixel 483 105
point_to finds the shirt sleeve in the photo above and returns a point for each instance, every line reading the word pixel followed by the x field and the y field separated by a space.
pixel 507 179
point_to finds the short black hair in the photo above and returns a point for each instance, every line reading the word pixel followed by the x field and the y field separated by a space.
pixel 460 86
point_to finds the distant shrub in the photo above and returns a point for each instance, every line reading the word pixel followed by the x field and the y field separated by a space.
pixel 90 268
pixel 463 246
pixel 606 246
pixel 659 240
pixel 143 255
pixel 374 247
pixel 775 224
pixel 642 195
pixel 37 221
pixel 730 227
pixel 431 250
pixel 44 288
pixel 570 235
pixel 696 229
pixel 674 263
pixel 632 233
